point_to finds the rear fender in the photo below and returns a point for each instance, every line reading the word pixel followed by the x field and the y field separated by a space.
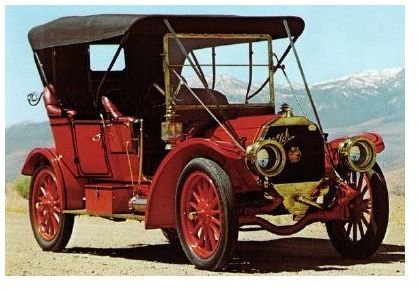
pixel 66 181
pixel 41 157
pixel 373 137
pixel 160 210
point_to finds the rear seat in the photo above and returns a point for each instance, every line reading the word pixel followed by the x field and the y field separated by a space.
pixel 53 106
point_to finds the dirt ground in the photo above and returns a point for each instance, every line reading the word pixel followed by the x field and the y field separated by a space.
pixel 102 247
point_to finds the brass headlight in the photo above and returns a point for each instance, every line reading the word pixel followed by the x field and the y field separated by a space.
pixel 266 157
pixel 358 153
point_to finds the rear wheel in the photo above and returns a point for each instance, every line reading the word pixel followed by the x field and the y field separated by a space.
pixel 51 227
pixel 171 236
pixel 361 236
pixel 206 214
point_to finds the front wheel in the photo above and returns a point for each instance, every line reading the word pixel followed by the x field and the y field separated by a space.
pixel 361 236
pixel 206 214
pixel 51 227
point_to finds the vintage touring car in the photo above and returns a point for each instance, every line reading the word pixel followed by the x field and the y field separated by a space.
pixel 146 128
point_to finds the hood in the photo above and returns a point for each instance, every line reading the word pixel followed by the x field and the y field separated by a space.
pixel 246 127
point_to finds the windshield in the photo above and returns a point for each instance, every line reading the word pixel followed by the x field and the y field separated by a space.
pixel 236 66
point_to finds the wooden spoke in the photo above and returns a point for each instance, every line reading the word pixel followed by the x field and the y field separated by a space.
pixel 360 226
pixel 199 195
pixel 355 232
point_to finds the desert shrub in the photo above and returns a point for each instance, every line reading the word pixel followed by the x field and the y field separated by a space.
pixel 21 185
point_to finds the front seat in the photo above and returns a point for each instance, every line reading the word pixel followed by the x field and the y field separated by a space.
pixel 114 112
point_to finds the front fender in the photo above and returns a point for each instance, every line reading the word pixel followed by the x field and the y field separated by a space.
pixel 160 210
pixel 373 137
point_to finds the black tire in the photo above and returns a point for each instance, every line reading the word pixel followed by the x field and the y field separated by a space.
pixel 172 236
pixel 57 238
pixel 344 237
pixel 222 197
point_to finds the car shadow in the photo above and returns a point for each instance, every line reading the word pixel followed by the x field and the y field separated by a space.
pixel 297 254
pixel 273 256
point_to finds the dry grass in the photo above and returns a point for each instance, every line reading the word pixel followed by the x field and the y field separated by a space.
pixel 396 181
pixel 14 203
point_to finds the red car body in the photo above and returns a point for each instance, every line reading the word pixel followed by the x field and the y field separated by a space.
pixel 110 160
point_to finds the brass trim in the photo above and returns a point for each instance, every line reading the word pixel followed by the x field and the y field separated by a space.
pixel 141 150
pixel 224 107
pixel 308 202
pixel 286 121
pixel 166 61
pixel 344 151
pixel 96 138
pixel 300 188
pixel 296 196
pixel 254 149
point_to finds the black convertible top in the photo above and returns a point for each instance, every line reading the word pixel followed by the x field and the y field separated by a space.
pixel 94 28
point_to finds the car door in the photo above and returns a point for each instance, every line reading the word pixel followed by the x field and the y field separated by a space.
pixel 91 148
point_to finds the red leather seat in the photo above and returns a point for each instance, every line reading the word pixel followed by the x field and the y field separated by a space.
pixel 110 108
pixel 53 106
pixel 113 111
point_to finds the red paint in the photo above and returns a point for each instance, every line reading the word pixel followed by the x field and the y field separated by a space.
pixel 361 209
pixel 95 165
pixel 47 204
pixel 333 145
pixel 64 141
pixel 374 137
pixel 66 181
pixel 339 212
pixel 91 149
pixel 160 208
pixel 247 127
pixel 107 198
pixel 203 214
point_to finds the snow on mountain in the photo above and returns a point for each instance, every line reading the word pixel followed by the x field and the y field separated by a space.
pixel 361 97
pixel 231 87
pixel 364 79
pixel 341 102
pixel 372 100
pixel 366 83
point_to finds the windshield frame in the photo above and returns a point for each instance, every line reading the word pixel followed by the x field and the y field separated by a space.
pixel 170 102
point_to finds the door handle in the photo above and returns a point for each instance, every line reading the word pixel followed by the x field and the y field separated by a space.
pixel 96 138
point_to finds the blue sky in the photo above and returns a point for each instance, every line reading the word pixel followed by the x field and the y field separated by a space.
pixel 337 41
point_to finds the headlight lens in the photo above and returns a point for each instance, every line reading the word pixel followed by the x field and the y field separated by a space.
pixel 266 158
pixel 358 153
pixel 263 158
pixel 354 154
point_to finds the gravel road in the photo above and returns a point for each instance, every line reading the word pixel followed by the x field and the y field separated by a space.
pixel 102 247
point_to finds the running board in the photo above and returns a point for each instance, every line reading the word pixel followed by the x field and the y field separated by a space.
pixel 104 215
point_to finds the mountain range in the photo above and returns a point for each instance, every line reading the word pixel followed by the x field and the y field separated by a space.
pixel 372 100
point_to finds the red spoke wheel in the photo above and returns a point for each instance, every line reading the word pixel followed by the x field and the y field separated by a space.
pixel 206 214
pixel 52 228
pixel 361 236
